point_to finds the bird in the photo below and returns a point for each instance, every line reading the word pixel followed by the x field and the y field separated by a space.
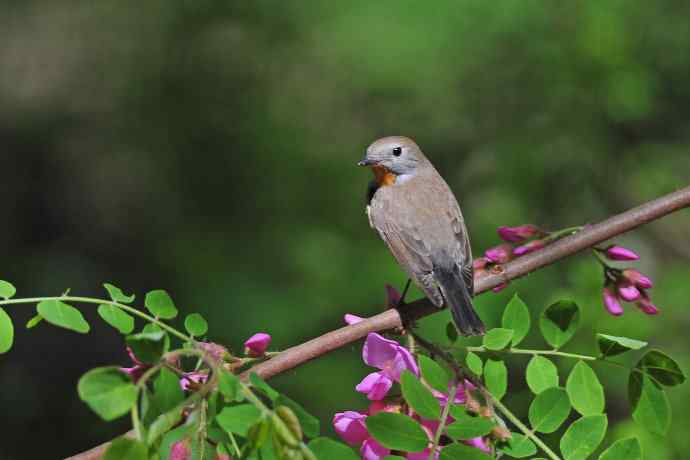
pixel 416 214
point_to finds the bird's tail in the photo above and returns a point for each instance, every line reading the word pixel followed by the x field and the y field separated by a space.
pixel 457 295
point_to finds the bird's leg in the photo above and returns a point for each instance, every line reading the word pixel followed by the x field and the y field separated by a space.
pixel 401 302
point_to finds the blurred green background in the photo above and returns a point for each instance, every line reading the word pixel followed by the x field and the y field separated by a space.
pixel 208 148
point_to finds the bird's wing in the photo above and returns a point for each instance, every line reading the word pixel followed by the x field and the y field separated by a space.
pixel 461 251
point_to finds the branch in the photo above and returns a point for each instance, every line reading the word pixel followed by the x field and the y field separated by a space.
pixel 390 319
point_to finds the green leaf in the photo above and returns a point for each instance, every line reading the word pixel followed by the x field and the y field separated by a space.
pixel 419 397
pixel 108 391
pixel 583 437
pixel 397 431
pixel 6 331
pixel 475 364
pixel 126 449
pixel 310 424
pixel 172 436
pixel 260 384
pixel 433 374
pixel 7 290
pixel 62 315
pixel 585 392
pixel 549 410
pixel 167 392
pixel 164 423
pixel 229 385
pixel 468 427
pixel 516 317
pixel 497 338
pixel 147 346
pixel 196 325
pixel 541 374
pixel 117 318
pixel 650 406
pixel 461 451
pixel 451 332
pixel 519 446
pixel 662 367
pixel 34 321
pixel 624 449
pixel 160 304
pixel 610 345
pixel 116 294
pixel 329 449
pixel 559 321
pixel 496 377
pixel 238 419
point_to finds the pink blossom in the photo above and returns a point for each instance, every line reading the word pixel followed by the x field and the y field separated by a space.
pixel 645 304
pixel 479 443
pixel 460 395
pixel 190 379
pixel 423 455
pixel 382 406
pixel 611 302
pixel 519 233
pixel 256 345
pixel 215 351
pixel 350 427
pixel 135 372
pixel 391 359
pixel 393 297
pixel 532 246
pixel 637 278
pixel 180 451
pixel 352 319
pixel 628 292
pixel 620 253
pixel 372 450
pixel 499 254
pixel 479 263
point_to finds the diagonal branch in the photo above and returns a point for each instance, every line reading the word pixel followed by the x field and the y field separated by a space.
pixel 390 319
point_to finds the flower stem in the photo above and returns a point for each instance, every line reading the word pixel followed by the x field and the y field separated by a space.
pixel 92 300
pixel 444 418
pixel 522 351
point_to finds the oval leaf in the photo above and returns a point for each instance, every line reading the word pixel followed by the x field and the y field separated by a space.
pixel 650 406
pixel 147 346
pixel 496 377
pixel 397 432
pixel 451 332
pixel 7 290
pixel 62 315
pixel 6 331
pixel 662 367
pixel 126 448
pixel 419 397
pixel 461 451
pixel 498 338
pixel 330 449
pixel 238 419
pixel 516 317
pixel 625 449
pixel 108 391
pixel 34 321
pixel 559 321
pixel 474 362
pixel 229 385
pixel 195 324
pixel 519 446
pixel 583 437
pixel 160 304
pixel 117 318
pixel 116 294
pixel 470 427
pixel 610 345
pixel 433 374
pixel 541 374
pixel 585 392
pixel 549 410
pixel 167 392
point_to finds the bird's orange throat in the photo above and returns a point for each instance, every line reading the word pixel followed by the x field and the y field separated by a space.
pixel 383 176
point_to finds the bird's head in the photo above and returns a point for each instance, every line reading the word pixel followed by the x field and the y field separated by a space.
pixel 396 155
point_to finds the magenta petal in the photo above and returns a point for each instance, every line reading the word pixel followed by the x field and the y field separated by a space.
pixel 611 302
pixel 423 455
pixel 628 292
pixel 621 253
pixel 646 305
pixel 479 443
pixel 180 451
pixel 499 254
pixel 372 450
pixel 375 386
pixel 378 351
pixel 257 344
pixel 637 278
pixel 519 233
pixel 350 427
pixel 407 360
pixel 352 319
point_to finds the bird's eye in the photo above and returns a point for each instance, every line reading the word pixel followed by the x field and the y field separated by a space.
pixel 397 151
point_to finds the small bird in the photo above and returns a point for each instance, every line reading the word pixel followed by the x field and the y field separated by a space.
pixel 417 216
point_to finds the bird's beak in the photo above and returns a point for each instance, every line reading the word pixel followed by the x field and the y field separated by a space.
pixel 365 162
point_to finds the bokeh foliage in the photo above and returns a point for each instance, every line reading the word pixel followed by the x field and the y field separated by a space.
pixel 208 148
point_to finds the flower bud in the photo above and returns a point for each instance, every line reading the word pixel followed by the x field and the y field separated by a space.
pixel 256 345
pixel 637 278
pixel 499 254
pixel 645 304
pixel 479 263
pixel 519 233
pixel 620 253
pixel 350 319
pixel 529 247
pixel 611 302
pixel 628 291
pixel 180 451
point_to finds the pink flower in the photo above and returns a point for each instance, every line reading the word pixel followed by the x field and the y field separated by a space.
pixel 388 356
pixel 460 395
pixel 620 253
pixel 479 443
pixel 480 263
pixel 628 292
pixel 382 406
pixel 392 297
pixel 519 233
pixel 423 455
pixel 372 450
pixel 499 254
pixel 191 379
pixel 135 372
pixel 611 302
pixel 352 319
pixel 180 451
pixel 532 246
pixel 256 345
pixel 637 278
pixel 645 304
pixel 350 427
pixel 215 352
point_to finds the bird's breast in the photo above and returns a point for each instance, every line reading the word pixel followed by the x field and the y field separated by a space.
pixel 383 176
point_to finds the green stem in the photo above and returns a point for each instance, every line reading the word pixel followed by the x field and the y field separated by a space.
pixel 92 300
pixel 136 422
pixel 444 419
pixel 521 426
pixel 521 351
pixel 558 234
pixel 234 444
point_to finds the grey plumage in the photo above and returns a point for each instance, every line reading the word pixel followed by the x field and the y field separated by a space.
pixel 420 221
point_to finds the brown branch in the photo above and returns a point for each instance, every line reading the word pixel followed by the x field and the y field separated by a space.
pixel 390 319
